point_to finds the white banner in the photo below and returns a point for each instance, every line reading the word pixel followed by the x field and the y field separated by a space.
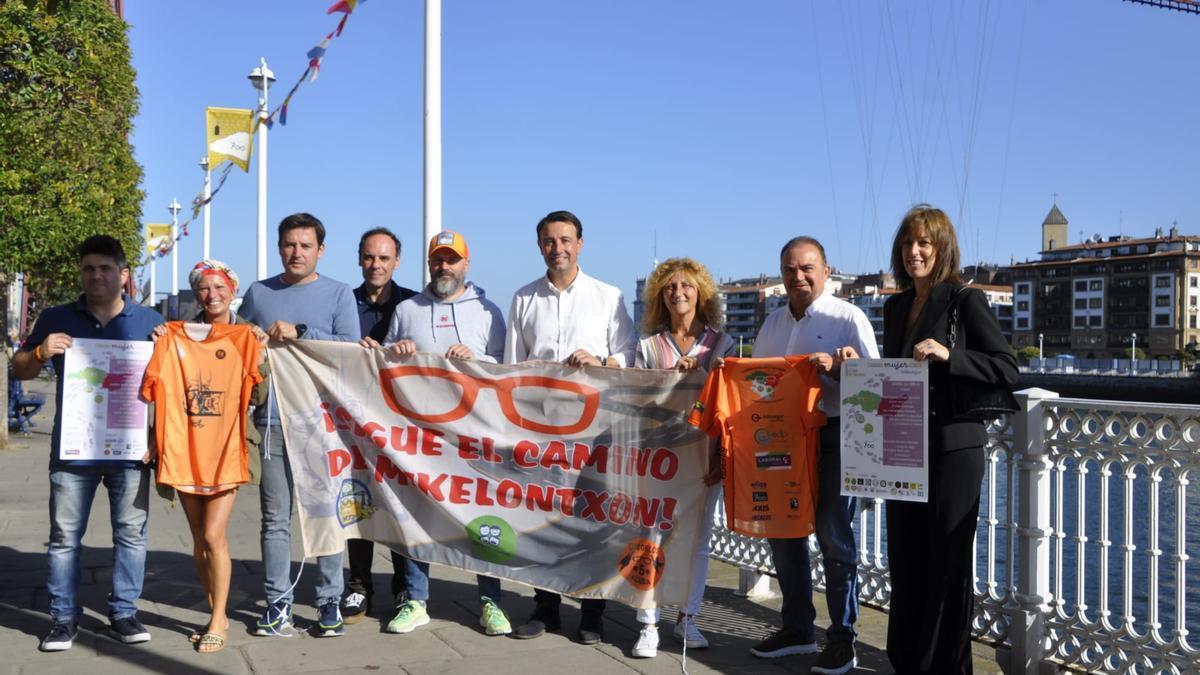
pixel 585 481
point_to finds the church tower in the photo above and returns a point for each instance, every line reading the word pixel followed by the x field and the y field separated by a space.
pixel 1054 229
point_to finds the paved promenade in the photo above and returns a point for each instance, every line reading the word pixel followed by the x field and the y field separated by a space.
pixel 172 605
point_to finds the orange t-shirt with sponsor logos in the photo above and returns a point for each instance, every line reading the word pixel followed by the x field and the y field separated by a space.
pixel 766 413
pixel 199 379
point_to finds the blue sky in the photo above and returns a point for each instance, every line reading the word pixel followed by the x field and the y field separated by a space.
pixel 716 129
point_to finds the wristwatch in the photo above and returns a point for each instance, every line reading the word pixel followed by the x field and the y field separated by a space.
pixel 301 329
pixel 603 360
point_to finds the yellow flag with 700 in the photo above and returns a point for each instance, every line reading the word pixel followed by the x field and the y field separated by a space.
pixel 157 235
pixel 229 136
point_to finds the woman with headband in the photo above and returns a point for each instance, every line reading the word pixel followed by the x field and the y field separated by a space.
pixel 203 378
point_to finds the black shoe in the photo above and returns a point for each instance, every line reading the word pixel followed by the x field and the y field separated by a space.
pixel 837 658
pixel 129 630
pixel 784 643
pixel 60 638
pixel 591 629
pixel 544 618
pixel 355 606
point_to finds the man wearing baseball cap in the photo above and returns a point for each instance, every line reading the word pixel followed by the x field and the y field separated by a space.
pixel 449 316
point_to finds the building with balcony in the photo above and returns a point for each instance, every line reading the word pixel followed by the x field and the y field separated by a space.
pixel 1096 298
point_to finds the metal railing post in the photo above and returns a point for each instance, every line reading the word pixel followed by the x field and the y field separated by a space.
pixel 1032 583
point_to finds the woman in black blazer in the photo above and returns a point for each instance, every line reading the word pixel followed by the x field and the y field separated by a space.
pixel 929 544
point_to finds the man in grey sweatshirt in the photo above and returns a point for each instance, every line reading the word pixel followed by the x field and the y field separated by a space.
pixel 449 316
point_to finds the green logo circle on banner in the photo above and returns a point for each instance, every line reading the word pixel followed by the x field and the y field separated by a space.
pixel 492 539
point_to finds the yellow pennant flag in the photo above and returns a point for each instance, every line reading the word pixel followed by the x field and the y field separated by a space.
pixel 229 136
pixel 157 235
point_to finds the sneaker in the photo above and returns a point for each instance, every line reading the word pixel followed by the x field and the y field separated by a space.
pixel 276 620
pixel 354 607
pixel 61 636
pixel 784 643
pixel 329 621
pixel 410 615
pixel 835 659
pixel 129 630
pixel 493 619
pixel 687 633
pixel 544 618
pixel 646 646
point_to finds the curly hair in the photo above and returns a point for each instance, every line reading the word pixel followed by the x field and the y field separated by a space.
pixel 708 304
pixel 935 224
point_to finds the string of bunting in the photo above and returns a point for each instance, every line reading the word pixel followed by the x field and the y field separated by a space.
pixel 315 57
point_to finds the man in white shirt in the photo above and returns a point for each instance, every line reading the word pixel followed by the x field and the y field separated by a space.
pixel 570 317
pixel 830 330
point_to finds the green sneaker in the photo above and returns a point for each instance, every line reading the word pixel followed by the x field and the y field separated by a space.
pixel 493 619
pixel 409 616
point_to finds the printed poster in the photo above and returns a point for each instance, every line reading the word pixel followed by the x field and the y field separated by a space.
pixel 885 422
pixel 584 481
pixel 103 417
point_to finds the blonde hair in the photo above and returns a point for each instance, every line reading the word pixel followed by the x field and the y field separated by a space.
pixel 708 304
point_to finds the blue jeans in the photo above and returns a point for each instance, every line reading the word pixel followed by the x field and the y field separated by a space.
pixel 414 583
pixel 793 570
pixel 275 496
pixel 71 493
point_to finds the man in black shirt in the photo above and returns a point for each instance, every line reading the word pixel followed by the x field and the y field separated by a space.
pixel 377 297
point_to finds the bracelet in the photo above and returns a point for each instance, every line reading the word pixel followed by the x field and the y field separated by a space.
pixel 37 354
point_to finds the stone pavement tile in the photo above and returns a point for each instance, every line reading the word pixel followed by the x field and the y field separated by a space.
pixel 579 660
pixel 351 652
pixel 226 662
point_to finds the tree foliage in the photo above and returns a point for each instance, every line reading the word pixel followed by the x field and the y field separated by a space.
pixel 67 101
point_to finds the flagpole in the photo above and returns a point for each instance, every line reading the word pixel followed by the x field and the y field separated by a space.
pixel 153 269
pixel 262 77
pixel 174 207
pixel 207 195
pixel 433 125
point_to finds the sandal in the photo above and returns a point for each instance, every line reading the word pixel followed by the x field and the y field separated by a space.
pixel 214 642
pixel 196 634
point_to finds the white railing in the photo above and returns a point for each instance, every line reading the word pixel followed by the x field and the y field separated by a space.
pixel 1085 531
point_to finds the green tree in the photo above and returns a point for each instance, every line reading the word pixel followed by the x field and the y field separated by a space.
pixel 67 101
pixel 1128 352
pixel 1027 352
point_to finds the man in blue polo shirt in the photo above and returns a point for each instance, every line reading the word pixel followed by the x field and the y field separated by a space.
pixel 102 312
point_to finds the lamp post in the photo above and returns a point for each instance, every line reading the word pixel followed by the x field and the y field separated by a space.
pixel 1041 355
pixel 174 207
pixel 207 194
pixel 1133 354
pixel 433 124
pixel 262 77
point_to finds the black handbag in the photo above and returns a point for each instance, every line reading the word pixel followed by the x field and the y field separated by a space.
pixel 972 399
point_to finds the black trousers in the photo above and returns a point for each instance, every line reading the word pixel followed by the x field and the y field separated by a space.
pixel 360 552
pixel 929 555
pixel 552 599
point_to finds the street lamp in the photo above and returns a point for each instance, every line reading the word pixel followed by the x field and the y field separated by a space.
pixel 1133 353
pixel 174 207
pixel 207 195
pixel 262 77
pixel 1041 355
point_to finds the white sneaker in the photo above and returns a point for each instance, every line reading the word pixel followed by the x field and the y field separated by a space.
pixel 687 633
pixel 646 646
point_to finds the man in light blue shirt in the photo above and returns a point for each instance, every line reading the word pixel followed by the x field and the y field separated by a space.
pixel 298 304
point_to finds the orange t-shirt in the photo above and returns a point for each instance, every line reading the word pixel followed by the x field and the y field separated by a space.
pixel 765 412
pixel 201 389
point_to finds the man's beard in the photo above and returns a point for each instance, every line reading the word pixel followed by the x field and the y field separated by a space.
pixel 445 286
